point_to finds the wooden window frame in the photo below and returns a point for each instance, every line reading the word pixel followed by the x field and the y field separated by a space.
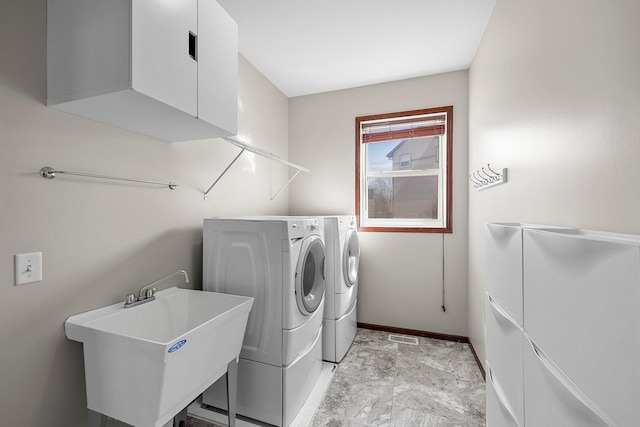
pixel 448 203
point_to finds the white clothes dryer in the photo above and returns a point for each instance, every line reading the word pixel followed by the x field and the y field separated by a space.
pixel 341 296
pixel 280 262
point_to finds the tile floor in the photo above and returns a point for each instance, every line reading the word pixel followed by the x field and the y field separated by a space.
pixel 383 383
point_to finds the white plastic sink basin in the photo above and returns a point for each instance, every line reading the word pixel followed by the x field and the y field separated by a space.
pixel 144 364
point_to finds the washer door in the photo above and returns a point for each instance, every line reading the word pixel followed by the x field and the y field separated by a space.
pixel 310 275
pixel 351 257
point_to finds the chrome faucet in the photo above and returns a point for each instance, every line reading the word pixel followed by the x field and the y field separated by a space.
pixel 147 292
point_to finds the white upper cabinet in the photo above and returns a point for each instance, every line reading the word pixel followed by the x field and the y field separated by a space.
pixel 216 83
pixel 163 68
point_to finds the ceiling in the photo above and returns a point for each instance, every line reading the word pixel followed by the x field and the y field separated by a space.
pixel 306 47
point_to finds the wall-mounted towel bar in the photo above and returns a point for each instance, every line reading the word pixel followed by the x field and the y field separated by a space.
pixel 48 172
pixel 482 179
pixel 250 148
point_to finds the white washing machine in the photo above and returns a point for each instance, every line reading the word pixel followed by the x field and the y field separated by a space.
pixel 341 296
pixel 280 262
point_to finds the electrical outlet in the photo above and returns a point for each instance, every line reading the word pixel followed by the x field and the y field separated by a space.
pixel 28 268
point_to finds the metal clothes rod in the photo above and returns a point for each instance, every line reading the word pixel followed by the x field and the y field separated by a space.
pixel 48 172
pixel 246 147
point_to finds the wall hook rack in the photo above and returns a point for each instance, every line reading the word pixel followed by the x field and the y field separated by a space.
pixel 48 172
pixel 250 148
pixel 482 179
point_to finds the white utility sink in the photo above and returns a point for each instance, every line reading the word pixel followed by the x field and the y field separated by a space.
pixel 144 364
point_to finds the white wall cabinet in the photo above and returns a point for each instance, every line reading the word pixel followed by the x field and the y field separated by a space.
pixel 582 292
pixel 503 325
pixel 572 359
pixel 166 69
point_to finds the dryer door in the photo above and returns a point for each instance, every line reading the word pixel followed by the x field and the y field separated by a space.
pixel 351 257
pixel 310 275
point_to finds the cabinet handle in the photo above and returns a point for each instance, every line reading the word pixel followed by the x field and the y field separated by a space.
pixel 568 384
pixel 498 309
pixel 501 396
pixel 193 46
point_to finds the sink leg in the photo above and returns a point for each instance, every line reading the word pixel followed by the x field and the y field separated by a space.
pixel 232 390
pixel 96 419
pixel 180 420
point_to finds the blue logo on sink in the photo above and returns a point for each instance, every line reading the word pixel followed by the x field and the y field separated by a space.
pixel 177 346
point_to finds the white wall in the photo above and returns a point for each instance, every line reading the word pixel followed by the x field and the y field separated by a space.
pixel 100 239
pixel 554 97
pixel 400 273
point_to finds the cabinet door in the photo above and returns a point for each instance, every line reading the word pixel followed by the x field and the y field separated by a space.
pixel 582 296
pixel 217 66
pixel 504 267
pixel 161 66
pixel 499 412
pixel 504 342
pixel 552 399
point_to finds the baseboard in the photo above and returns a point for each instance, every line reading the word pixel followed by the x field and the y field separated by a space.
pixel 478 362
pixel 415 332
pixel 426 334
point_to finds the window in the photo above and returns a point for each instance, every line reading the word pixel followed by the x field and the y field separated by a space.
pixel 403 171
pixel 405 160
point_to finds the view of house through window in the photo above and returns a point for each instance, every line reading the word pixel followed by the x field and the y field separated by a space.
pixel 403 170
